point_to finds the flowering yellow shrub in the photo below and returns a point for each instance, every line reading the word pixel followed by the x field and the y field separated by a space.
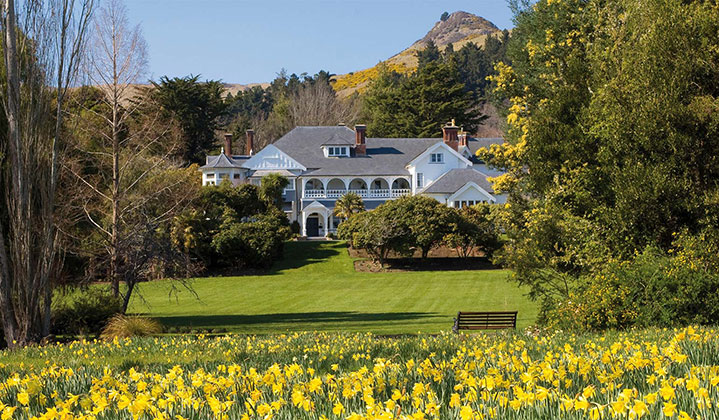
pixel 641 374
pixel 360 78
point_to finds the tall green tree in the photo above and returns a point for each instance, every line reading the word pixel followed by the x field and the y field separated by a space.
pixel 197 106
pixel 417 105
pixel 429 54
pixel 613 134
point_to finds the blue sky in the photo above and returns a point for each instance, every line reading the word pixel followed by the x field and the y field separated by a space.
pixel 250 41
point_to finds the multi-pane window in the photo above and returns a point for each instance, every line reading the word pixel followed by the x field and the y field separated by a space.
pixel 337 151
pixel 211 176
pixel 436 158
pixel 466 203
pixel 420 180
pixel 236 176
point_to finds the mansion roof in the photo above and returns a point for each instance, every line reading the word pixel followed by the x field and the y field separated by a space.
pixel 455 179
pixel 383 157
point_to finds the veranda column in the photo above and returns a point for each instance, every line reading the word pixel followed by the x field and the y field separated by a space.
pixel 327 224
pixel 304 223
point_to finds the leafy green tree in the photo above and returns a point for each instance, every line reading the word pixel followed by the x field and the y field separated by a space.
pixel 613 135
pixel 347 205
pixel 232 226
pixel 255 243
pixel 271 187
pixel 473 228
pixel 429 54
pixel 378 232
pixel 197 107
pixel 428 220
pixel 418 104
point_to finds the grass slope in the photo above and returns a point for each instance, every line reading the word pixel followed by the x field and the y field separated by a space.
pixel 315 287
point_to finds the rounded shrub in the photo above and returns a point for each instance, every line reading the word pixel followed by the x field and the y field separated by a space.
pixel 81 311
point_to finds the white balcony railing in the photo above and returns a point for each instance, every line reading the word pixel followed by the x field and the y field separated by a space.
pixel 378 193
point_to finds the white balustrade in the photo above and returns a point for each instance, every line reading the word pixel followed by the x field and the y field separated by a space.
pixel 314 194
pixel 372 193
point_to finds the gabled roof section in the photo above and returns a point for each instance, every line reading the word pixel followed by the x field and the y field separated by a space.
pixel 315 205
pixel 271 157
pixel 452 181
pixel 219 162
pixel 467 186
pixel 439 144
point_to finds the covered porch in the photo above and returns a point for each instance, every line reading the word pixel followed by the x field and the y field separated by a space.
pixel 318 221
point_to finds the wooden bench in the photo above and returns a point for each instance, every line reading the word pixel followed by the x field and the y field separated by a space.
pixel 485 321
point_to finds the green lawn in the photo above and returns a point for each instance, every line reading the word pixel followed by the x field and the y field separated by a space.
pixel 315 287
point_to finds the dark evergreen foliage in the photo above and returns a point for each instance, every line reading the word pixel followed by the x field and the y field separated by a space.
pixel 197 107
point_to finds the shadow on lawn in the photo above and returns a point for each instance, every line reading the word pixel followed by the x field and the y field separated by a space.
pixel 301 253
pixel 204 321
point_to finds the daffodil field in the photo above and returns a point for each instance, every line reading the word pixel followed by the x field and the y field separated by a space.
pixel 639 374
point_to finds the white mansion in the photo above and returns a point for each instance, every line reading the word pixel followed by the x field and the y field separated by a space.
pixel 324 163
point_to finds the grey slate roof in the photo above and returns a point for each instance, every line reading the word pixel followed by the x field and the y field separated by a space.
pixel 221 161
pixel 384 156
pixel 340 138
pixel 452 181
pixel 474 144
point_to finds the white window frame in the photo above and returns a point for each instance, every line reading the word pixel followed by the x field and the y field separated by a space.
pixel 436 158
pixel 336 151
pixel 210 175
pixel 420 179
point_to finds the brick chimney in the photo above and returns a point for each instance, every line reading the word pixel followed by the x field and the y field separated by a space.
pixel 360 136
pixel 228 144
pixel 450 135
pixel 462 138
pixel 250 142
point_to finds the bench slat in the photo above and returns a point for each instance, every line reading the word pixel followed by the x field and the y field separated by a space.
pixel 486 317
pixel 485 320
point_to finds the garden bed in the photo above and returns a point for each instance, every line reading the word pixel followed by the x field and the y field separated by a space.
pixel 429 264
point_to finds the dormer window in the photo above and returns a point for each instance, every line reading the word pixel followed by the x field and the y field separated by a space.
pixel 335 151
pixel 436 158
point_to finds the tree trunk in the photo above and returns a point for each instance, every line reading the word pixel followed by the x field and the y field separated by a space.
pixel 127 296
pixel 9 323
pixel 115 196
pixel 11 326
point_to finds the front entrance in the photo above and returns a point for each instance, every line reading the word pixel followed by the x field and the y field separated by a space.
pixel 313 226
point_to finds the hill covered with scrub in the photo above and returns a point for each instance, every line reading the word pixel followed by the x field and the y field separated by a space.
pixel 457 29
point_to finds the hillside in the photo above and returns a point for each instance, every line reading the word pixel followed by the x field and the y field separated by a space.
pixel 459 29
pixel 234 88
